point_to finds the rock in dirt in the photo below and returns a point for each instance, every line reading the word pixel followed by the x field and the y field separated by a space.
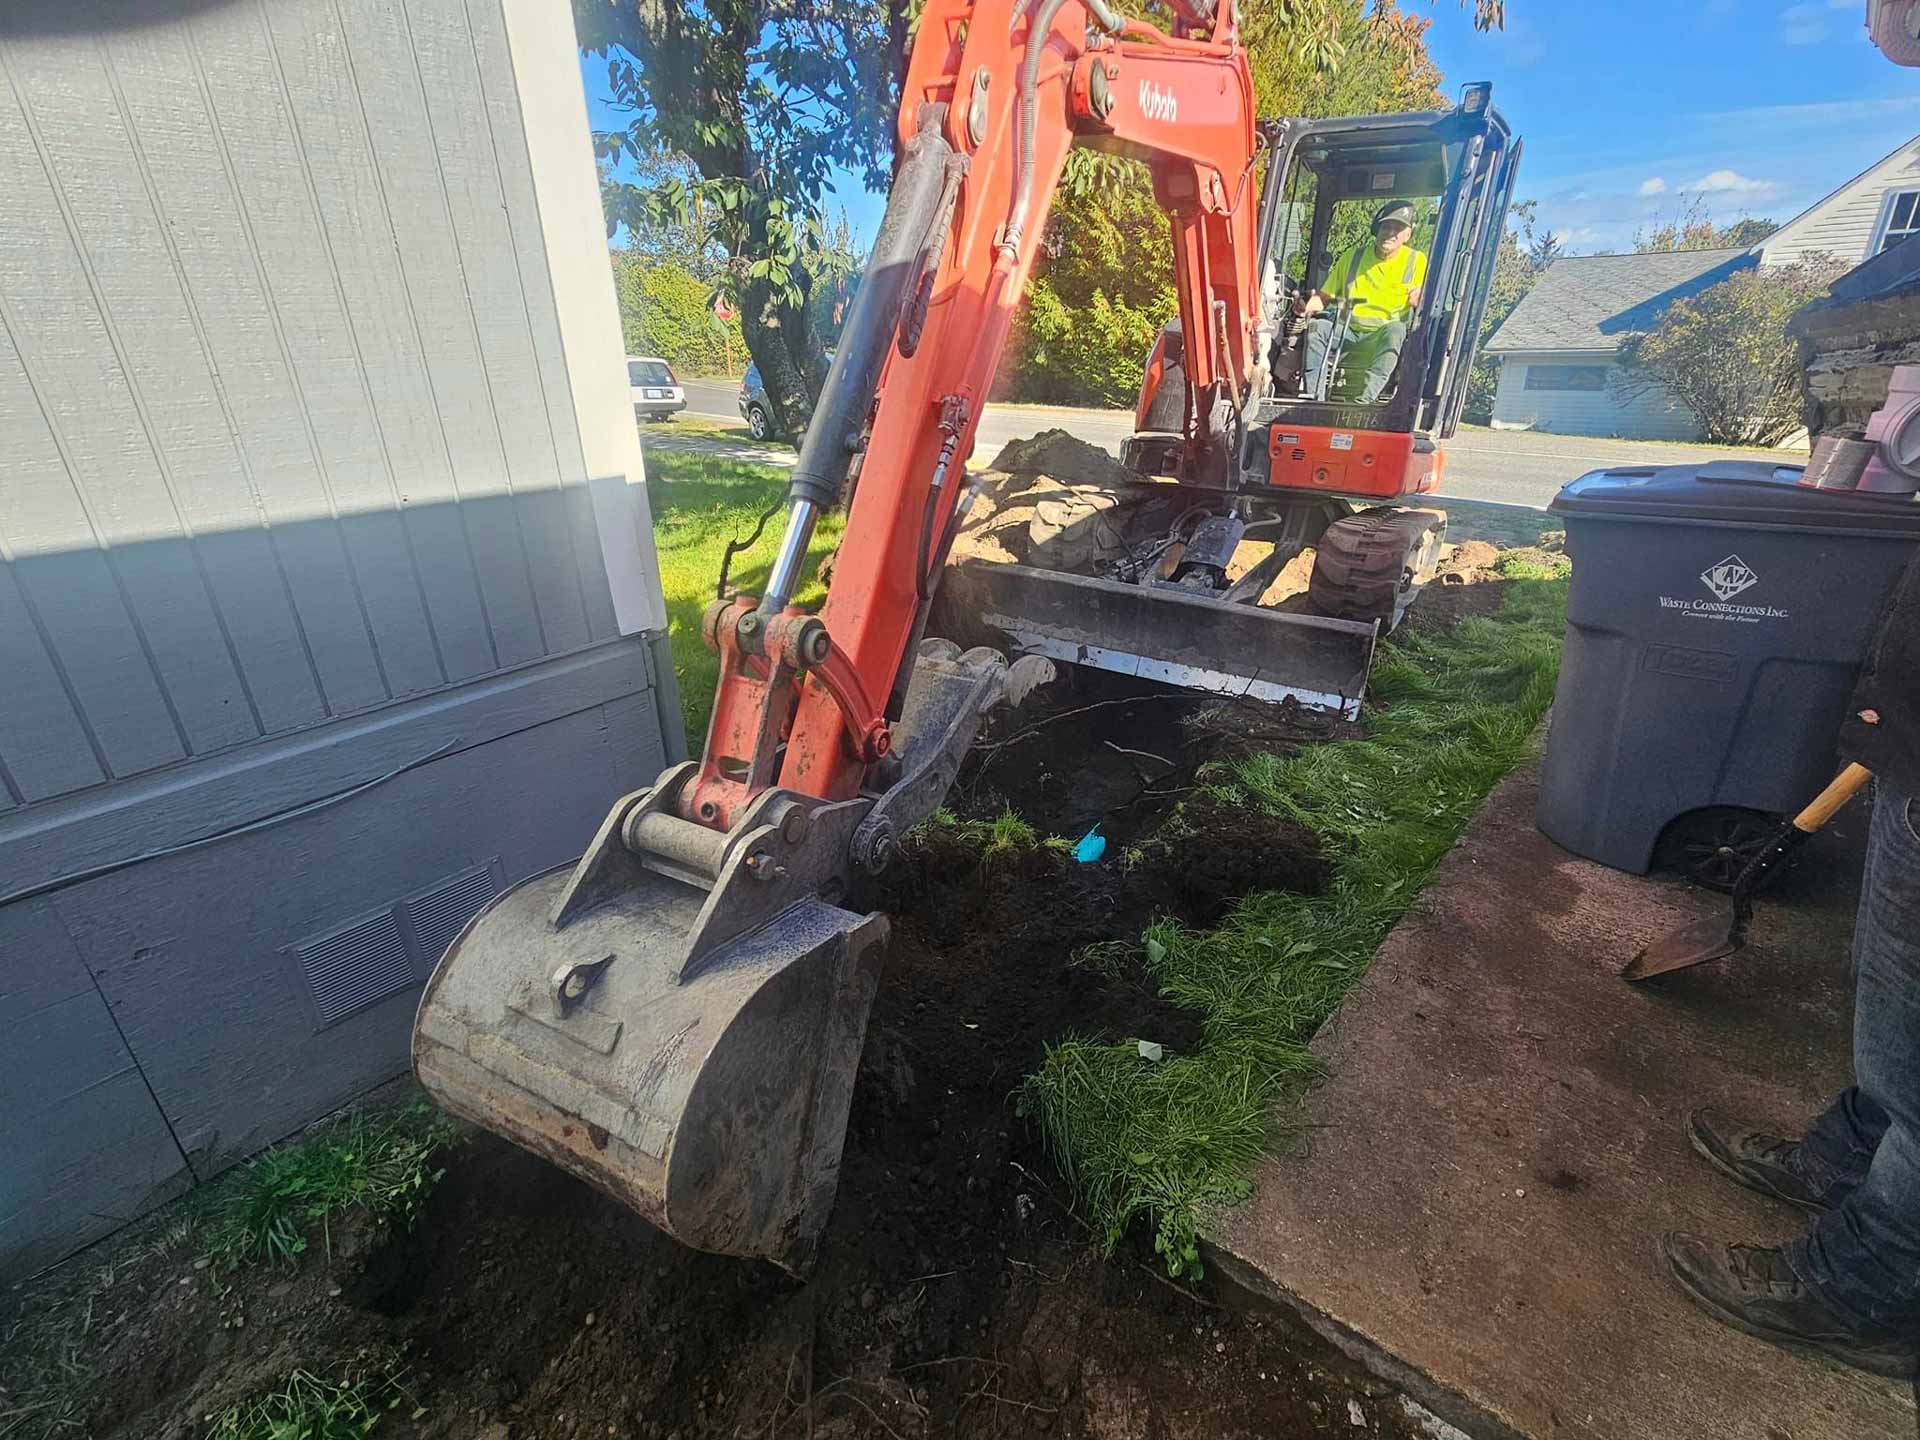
pixel 1064 457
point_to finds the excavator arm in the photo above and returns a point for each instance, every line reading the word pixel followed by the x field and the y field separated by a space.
pixel 996 95
pixel 678 1017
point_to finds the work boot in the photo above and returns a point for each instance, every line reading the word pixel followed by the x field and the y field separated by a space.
pixel 1756 1160
pixel 1753 1289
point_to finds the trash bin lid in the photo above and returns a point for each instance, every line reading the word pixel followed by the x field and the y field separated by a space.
pixel 1740 492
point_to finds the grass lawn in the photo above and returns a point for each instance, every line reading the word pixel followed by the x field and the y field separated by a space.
pixel 1167 1141
pixel 700 503
pixel 701 427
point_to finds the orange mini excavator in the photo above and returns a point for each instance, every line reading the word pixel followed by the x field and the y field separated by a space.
pixel 678 1016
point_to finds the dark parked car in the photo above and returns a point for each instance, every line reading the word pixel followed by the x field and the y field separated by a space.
pixel 755 408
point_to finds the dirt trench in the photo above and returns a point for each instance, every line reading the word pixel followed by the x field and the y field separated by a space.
pixel 956 1292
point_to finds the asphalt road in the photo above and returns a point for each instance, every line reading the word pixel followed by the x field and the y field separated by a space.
pixel 1508 467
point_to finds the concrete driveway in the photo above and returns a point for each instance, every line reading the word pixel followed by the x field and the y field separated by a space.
pixel 1510 467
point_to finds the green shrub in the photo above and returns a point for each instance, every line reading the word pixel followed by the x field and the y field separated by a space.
pixel 666 310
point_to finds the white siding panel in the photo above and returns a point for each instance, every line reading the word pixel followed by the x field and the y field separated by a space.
pixel 483 232
pixel 1652 416
pixel 1844 223
pixel 497 82
pixel 381 42
pixel 286 426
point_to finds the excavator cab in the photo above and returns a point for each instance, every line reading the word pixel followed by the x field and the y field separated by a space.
pixel 1338 411
pixel 1274 575
pixel 1359 408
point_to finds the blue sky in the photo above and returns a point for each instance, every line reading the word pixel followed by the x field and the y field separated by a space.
pixel 1632 108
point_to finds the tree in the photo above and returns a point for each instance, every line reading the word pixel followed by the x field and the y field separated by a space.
pixel 758 101
pixel 1694 229
pixel 1525 251
pixel 689 241
pixel 1725 353
pixel 1103 285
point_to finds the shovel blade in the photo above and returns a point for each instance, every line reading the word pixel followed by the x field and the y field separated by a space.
pixel 714 1105
pixel 1695 944
pixel 1176 637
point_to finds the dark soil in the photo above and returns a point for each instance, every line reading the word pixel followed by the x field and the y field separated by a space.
pixel 1104 750
pixel 956 1293
pixel 1442 606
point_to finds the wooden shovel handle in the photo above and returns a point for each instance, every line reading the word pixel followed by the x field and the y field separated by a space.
pixel 1844 787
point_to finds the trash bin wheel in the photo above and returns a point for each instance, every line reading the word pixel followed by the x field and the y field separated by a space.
pixel 1711 846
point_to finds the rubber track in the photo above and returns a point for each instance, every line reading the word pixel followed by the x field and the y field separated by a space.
pixel 1361 562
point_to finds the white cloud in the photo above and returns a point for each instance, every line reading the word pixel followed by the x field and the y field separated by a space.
pixel 1729 182
pixel 1804 24
pixel 1653 185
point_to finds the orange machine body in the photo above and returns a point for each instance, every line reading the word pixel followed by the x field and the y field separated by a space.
pixel 1364 464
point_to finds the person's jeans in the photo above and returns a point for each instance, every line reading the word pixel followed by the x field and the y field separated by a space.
pixel 1863 1257
pixel 1366 362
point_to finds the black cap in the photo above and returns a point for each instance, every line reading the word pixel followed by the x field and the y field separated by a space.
pixel 1400 212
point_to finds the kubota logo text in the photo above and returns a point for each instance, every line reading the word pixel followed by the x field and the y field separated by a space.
pixel 1158 104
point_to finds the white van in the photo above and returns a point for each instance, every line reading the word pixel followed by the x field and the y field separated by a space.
pixel 657 392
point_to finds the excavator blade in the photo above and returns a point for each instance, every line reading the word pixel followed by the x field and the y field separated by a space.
pixel 708 1094
pixel 1176 637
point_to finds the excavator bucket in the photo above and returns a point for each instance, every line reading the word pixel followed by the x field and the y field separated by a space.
pixel 598 1016
pixel 677 1018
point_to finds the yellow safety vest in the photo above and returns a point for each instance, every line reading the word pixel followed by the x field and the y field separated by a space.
pixel 1383 290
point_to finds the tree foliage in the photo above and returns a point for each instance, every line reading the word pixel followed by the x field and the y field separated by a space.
pixel 666 310
pixel 1694 228
pixel 1725 353
pixel 1104 283
pixel 737 113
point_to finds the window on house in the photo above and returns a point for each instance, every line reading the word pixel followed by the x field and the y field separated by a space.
pixel 1566 377
pixel 1903 218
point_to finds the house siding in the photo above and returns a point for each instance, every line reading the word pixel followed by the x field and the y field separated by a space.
pixel 1651 416
pixel 326 582
pixel 1847 223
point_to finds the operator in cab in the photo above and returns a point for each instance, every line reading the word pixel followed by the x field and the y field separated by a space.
pixel 1382 278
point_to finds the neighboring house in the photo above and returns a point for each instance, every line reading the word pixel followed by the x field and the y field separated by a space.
pixel 1556 350
pixel 328 605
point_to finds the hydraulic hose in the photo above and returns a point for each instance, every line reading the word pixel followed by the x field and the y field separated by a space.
pixel 1109 20
pixel 840 418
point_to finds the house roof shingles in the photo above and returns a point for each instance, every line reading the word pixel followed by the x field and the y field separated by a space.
pixel 1593 302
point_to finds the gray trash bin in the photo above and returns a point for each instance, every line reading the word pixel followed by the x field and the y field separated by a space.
pixel 1717 618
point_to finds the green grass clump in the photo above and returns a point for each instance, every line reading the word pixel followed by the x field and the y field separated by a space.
pixel 1004 837
pixel 700 502
pixel 310 1407
pixel 379 1161
pixel 1170 1140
